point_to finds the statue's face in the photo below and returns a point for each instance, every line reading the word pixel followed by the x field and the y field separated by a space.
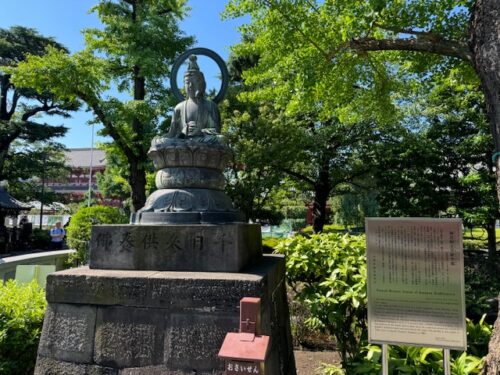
pixel 189 85
pixel 193 86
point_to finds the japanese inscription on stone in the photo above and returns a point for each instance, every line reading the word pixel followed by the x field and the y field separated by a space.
pixel 416 282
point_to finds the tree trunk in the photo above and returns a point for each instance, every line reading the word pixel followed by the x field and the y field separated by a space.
pixel 321 194
pixel 485 46
pixel 492 363
pixel 492 239
pixel 137 172
pixel 4 87
pixel 137 183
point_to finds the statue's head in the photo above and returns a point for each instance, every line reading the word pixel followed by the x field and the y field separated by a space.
pixel 194 81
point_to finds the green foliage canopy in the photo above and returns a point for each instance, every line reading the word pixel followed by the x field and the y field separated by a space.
pixel 20 105
pixel 317 54
pixel 130 55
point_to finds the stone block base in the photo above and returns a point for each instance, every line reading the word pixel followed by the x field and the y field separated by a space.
pixel 203 247
pixel 150 322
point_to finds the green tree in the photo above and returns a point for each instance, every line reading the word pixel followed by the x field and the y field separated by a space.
pixel 321 154
pixel 353 207
pixel 132 54
pixel 323 157
pixel 20 106
pixel 112 183
pixel 250 182
pixel 30 164
pixel 440 166
pixel 314 52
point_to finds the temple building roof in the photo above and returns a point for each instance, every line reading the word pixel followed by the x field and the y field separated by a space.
pixel 80 158
pixel 11 205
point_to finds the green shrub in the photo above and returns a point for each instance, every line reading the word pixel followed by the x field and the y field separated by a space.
pixel 78 231
pixel 482 283
pixel 269 244
pixel 296 224
pixel 22 309
pixel 415 360
pixel 295 212
pixel 328 273
pixel 409 360
pixel 330 228
pixel 478 337
pixel 475 245
pixel 40 239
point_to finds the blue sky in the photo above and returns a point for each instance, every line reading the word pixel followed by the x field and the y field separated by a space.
pixel 64 20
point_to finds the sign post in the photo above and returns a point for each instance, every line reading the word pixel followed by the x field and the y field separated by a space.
pixel 416 283
pixel 385 359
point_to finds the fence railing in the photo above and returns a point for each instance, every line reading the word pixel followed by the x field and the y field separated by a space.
pixel 8 264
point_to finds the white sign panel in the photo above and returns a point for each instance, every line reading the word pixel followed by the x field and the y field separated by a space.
pixel 416 282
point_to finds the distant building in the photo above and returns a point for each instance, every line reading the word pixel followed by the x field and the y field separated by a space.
pixel 79 160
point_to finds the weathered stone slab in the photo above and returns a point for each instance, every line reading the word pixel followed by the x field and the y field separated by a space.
pixel 129 337
pixel 49 366
pixel 163 370
pixel 46 366
pixel 68 333
pixel 204 247
pixel 191 291
pixel 168 322
pixel 190 339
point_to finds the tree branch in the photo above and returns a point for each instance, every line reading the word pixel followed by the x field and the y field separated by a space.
pixel 33 111
pixel 440 47
pixel 15 99
pixel 421 34
pixel 4 87
pixel 110 128
pixel 8 137
pixel 298 176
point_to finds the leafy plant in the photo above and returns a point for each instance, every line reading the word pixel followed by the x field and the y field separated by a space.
pixel 79 228
pixel 22 310
pixel 478 337
pixel 268 244
pixel 416 360
pixel 328 274
pixel 482 283
pixel 40 239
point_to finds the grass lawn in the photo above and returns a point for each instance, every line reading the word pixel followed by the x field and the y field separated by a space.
pixel 479 234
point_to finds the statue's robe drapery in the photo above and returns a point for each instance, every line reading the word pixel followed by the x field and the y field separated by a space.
pixel 207 119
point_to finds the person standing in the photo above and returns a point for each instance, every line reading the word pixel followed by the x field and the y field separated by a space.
pixel 57 234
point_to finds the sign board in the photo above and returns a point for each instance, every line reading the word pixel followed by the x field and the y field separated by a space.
pixel 416 282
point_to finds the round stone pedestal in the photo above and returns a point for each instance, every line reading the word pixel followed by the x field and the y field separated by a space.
pixel 191 184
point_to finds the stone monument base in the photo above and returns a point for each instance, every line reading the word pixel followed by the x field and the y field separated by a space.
pixel 150 322
pixel 199 248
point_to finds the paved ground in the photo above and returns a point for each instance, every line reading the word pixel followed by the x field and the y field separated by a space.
pixel 309 363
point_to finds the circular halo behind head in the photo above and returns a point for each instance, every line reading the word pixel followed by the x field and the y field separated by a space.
pixel 205 52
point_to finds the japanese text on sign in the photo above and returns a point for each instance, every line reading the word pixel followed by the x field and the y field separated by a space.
pixel 233 367
pixel 416 282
